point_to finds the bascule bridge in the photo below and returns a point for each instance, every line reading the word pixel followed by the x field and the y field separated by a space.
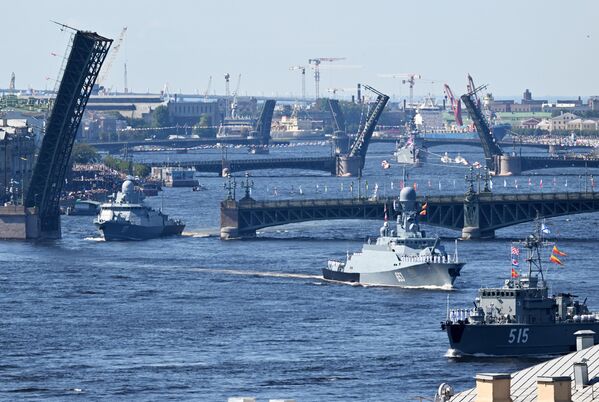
pixel 39 216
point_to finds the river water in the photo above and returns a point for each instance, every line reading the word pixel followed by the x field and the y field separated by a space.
pixel 196 318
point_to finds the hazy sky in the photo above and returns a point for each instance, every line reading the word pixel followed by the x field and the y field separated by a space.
pixel 550 47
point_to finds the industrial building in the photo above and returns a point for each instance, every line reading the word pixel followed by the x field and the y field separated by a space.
pixel 17 155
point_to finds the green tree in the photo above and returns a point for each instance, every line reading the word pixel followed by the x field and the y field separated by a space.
pixel 204 128
pixel 160 117
pixel 84 153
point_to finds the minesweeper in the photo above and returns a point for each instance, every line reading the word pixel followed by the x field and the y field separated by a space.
pixel 403 257
pixel 127 218
pixel 520 318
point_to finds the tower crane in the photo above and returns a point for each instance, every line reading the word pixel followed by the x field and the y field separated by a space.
pixel 208 88
pixel 456 105
pixel 316 62
pixel 303 70
pixel 406 78
pixel 112 56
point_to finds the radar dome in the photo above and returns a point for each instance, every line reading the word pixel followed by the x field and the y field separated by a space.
pixel 407 194
pixel 407 197
pixel 127 186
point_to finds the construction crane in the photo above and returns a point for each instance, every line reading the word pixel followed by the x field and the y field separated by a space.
pixel 316 67
pixel 303 70
pixel 207 91
pixel 456 106
pixel 406 78
pixel 227 89
pixel 234 102
pixel 112 56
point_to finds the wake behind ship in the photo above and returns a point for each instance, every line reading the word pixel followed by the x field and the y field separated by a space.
pixel 404 257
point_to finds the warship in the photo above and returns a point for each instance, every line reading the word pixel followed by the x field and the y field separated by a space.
pixel 403 257
pixel 520 318
pixel 127 218
pixel 413 152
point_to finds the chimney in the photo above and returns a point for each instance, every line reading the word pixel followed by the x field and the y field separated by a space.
pixel 554 389
pixel 581 374
pixel 584 339
pixel 493 387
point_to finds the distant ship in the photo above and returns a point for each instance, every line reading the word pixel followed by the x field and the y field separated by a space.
pixel 295 127
pixel 520 318
pixel 499 132
pixel 127 218
pixel 431 126
pixel 412 152
pixel 237 128
pixel 403 257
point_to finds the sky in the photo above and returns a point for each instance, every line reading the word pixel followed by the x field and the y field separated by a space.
pixel 550 47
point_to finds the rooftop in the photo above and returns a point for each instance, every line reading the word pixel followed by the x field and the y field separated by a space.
pixel 523 387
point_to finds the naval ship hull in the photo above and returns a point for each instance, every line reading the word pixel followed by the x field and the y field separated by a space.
pixel 515 339
pixel 127 231
pixel 425 275
pixel 405 156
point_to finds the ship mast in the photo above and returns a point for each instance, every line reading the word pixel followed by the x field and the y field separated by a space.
pixel 533 254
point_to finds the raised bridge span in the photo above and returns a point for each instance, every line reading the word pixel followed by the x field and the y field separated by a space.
pixel 474 215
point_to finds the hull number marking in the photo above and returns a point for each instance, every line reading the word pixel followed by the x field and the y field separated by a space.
pixel 518 335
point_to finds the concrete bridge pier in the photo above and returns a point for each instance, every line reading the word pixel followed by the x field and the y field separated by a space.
pixel 348 166
pixel 471 229
pixel 508 165
pixel 340 142
pixel 229 220
pixel 226 169
pixel 474 232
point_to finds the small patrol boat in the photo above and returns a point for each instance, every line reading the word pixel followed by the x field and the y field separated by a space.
pixel 127 218
pixel 403 256
pixel 520 318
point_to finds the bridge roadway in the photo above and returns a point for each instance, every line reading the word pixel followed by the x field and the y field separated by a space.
pixel 507 165
pixel 321 163
pixel 475 215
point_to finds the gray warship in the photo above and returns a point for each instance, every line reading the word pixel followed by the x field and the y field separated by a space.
pixel 403 257
pixel 520 318
pixel 412 152
pixel 127 218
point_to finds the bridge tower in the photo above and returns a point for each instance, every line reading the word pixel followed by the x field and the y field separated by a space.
pixel 340 139
pixel 261 132
pixel 352 163
pixel 472 209
pixel 88 51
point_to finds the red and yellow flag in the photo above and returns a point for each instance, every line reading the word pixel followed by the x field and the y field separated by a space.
pixel 557 251
pixel 514 273
pixel 555 260
pixel 423 209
